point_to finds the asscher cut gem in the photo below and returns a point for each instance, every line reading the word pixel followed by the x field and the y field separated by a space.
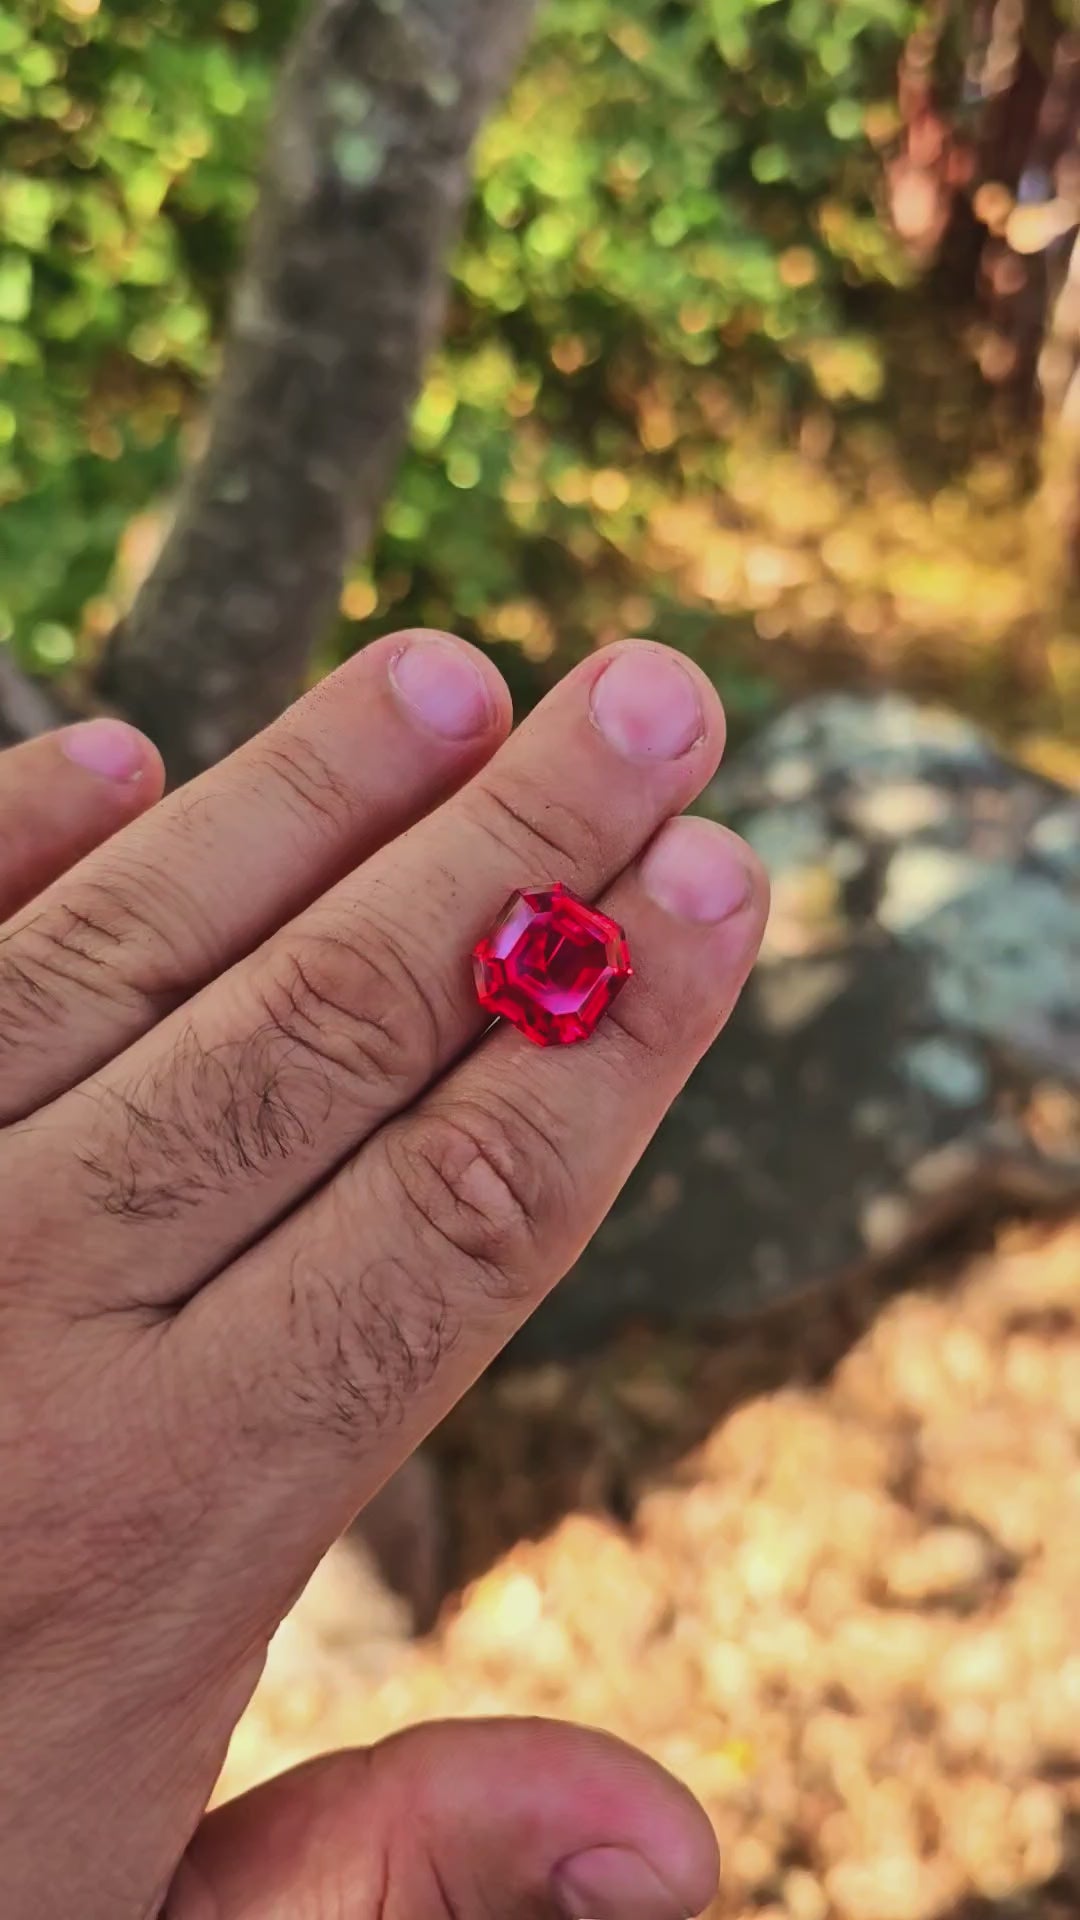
pixel 552 965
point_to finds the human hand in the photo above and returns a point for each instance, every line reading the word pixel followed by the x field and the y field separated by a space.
pixel 270 1203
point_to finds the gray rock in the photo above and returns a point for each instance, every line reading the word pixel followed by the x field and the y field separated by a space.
pixel 909 1044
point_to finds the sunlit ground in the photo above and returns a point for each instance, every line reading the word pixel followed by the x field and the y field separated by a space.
pixel 826 1571
pixel 921 541
pixel 914 543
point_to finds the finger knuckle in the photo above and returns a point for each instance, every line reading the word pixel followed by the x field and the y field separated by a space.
pixel 305 782
pixel 73 948
pixel 488 1183
pixel 358 1008
pixel 649 1021
pixel 536 826
pixel 108 937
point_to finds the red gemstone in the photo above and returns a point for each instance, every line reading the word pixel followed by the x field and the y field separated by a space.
pixel 552 965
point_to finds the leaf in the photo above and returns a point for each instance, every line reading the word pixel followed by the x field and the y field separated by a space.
pixel 16 286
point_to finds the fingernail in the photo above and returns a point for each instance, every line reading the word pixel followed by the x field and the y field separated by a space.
pixel 696 871
pixel 614 1883
pixel 647 706
pixel 443 688
pixel 105 747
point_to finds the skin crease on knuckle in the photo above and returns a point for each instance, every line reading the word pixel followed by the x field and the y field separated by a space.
pixel 370 1336
pixel 331 1022
pixel 531 825
pixel 211 1113
pixel 486 1185
pixel 649 1020
pixel 120 925
pixel 481 1205
pixel 298 770
pixel 359 1005
pixel 60 949
pixel 105 947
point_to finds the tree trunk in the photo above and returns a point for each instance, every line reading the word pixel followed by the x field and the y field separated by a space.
pixel 27 707
pixel 342 296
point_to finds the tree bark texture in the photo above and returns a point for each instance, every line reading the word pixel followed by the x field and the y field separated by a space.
pixel 342 296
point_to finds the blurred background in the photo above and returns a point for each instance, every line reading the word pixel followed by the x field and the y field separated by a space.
pixel 761 335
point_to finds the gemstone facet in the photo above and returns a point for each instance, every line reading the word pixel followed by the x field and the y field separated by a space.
pixel 552 965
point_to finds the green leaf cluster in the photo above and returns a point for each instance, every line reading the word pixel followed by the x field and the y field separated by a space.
pixel 675 217
pixel 678 213
pixel 129 134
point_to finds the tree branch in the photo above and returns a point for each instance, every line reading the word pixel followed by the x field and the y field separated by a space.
pixel 364 183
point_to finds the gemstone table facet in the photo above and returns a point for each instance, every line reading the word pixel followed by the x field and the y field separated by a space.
pixel 552 965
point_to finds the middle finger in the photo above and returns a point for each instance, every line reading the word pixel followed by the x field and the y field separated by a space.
pixel 234 1108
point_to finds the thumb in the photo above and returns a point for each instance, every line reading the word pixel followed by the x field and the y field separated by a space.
pixel 523 1819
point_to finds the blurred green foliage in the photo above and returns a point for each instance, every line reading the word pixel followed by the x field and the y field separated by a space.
pixel 675 393
pixel 128 141
pixel 677 190
pixel 676 184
